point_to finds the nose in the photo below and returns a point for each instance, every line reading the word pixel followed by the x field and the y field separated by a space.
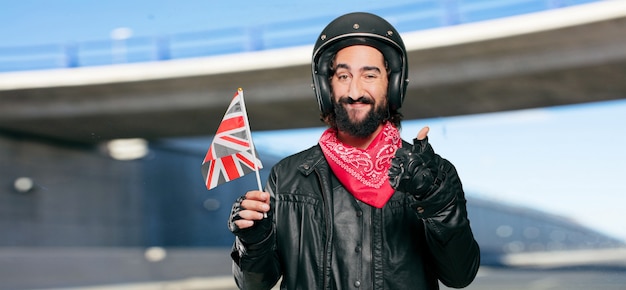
pixel 354 91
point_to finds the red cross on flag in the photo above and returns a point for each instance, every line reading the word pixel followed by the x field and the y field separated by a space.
pixel 232 154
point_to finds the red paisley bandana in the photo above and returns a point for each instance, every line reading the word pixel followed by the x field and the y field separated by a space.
pixel 363 171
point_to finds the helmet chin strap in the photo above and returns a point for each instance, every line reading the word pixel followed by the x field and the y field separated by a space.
pixel 388 117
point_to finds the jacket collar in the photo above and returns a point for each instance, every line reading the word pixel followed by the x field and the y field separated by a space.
pixel 314 158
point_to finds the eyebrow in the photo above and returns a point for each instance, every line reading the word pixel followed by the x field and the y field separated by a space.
pixel 365 68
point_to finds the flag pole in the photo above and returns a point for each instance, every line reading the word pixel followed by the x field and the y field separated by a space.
pixel 252 148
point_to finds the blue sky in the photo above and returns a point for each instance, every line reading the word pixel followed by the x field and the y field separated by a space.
pixel 29 22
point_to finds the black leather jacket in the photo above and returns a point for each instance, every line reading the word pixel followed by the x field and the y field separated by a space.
pixel 324 239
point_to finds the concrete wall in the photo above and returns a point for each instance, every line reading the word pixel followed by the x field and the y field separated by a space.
pixel 82 197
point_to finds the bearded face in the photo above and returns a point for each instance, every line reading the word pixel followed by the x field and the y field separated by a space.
pixel 359 90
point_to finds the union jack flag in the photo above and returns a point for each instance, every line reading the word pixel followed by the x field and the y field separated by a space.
pixel 231 153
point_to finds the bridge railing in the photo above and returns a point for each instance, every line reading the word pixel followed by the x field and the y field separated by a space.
pixel 422 14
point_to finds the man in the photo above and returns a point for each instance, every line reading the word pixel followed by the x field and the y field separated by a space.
pixel 363 208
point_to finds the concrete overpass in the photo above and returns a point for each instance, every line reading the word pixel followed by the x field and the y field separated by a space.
pixel 565 56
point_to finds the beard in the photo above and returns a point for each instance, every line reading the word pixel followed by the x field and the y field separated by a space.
pixel 362 128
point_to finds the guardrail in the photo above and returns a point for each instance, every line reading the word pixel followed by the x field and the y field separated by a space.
pixel 422 14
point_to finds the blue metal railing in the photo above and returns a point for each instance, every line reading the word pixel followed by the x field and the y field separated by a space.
pixel 422 14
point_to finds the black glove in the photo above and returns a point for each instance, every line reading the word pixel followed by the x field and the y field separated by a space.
pixel 415 170
pixel 252 235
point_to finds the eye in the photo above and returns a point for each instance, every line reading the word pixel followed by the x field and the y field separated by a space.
pixel 370 77
pixel 342 76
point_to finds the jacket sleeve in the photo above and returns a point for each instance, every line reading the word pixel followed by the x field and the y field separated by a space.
pixel 256 266
pixel 453 248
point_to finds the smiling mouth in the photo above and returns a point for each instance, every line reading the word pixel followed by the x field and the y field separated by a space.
pixel 361 100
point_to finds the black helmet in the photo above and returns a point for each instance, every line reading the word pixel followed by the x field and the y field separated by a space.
pixel 359 28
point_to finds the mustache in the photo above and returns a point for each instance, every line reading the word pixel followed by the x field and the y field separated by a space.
pixel 350 100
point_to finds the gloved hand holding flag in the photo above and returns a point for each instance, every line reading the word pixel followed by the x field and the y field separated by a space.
pixel 232 153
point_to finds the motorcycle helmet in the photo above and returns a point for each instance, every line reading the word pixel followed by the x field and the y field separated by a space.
pixel 359 28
